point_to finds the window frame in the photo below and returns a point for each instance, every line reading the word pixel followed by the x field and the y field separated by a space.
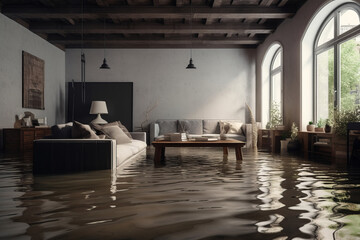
pixel 272 73
pixel 333 43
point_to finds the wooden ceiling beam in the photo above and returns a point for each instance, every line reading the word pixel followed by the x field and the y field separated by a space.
pixel 233 12
pixel 102 3
pixel 155 40
pixel 160 45
pixel 148 28
pixel 179 3
pixel 282 3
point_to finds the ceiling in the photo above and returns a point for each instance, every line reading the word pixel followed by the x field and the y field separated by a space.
pixel 151 23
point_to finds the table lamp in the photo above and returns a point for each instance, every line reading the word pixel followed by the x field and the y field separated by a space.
pixel 98 107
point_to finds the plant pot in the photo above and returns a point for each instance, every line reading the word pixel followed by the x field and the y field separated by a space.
pixel 327 128
pixel 310 128
pixel 319 129
pixel 280 127
pixel 283 145
pixel 293 146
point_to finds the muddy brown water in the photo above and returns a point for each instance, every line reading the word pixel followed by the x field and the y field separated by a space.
pixel 197 195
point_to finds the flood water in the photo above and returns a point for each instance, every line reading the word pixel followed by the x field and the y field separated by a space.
pixel 196 195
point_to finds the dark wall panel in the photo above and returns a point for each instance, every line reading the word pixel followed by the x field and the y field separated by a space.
pixel 118 97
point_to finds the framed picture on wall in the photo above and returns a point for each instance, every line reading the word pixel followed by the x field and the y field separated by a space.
pixel 33 81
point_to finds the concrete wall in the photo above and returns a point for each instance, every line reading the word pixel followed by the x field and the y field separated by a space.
pixel 290 35
pixel 223 81
pixel 14 39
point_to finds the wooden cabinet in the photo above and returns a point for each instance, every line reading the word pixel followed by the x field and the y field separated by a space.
pixel 20 140
pixel 270 139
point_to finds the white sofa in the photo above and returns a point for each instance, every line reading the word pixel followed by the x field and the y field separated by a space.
pixel 74 155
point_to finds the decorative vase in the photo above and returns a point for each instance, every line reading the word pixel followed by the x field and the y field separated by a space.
pixel 319 129
pixel 327 128
pixel 293 146
pixel 310 128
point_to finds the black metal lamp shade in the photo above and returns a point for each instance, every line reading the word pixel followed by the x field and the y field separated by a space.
pixel 190 65
pixel 104 65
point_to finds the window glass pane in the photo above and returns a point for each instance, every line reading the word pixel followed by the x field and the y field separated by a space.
pixel 327 33
pixel 276 90
pixel 348 19
pixel 350 73
pixel 277 61
pixel 325 84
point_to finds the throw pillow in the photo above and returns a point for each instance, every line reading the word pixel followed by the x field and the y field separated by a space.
pixel 99 127
pixel 115 132
pixel 62 131
pixel 192 126
pixel 233 127
pixel 83 131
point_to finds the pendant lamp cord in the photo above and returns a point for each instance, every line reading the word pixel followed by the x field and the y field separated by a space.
pixel 82 55
pixel 104 37
pixel 191 29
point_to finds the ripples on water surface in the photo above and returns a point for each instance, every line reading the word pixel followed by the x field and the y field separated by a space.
pixel 197 195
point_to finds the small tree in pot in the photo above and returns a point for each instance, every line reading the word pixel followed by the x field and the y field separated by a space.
pixel 294 144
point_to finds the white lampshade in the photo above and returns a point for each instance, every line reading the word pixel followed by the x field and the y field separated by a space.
pixel 98 107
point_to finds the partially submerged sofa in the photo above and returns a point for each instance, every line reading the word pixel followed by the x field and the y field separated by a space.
pixel 61 153
pixel 233 129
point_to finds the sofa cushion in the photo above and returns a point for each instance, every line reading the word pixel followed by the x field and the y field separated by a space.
pixel 192 126
pixel 230 127
pixel 82 131
pixel 211 126
pixel 62 131
pixel 236 137
pixel 127 150
pixel 115 132
pixel 167 126
pixel 98 127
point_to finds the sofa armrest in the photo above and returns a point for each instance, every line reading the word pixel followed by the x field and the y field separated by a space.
pixel 73 155
pixel 248 133
pixel 139 136
pixel 154 131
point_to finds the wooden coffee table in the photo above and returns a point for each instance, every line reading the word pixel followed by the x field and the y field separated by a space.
pixel 225 144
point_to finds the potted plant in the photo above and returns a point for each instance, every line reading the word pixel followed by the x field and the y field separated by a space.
pixel 327 126
pixel 276 117
pixel 320 125
pixel 294 144
pixel 285 138
pixel 310 127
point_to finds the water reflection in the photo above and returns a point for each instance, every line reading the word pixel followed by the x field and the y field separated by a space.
pixel 197 195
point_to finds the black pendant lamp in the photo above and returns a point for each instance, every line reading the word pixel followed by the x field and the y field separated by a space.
pixel 191 65
pixel 104 65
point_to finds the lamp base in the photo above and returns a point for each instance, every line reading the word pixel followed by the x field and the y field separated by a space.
pixel 99 120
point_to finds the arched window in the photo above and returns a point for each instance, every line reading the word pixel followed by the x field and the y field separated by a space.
pixel 272 82
pixel 276 68
pixel 337 62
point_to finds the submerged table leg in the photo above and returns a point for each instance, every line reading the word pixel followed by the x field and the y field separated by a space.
pixel 238 153
pixel 225 150
pixel 159 155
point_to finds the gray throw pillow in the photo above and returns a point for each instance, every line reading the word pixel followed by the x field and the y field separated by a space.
pixel 211 126
pixel 192 126
pixel 167 126
pixel 82 131
pixel 115 132
pixel 62 131
pixel 99 127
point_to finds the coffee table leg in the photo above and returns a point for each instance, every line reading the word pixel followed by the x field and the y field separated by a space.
pixel 225 150
pixel 158 155
pixel 238 153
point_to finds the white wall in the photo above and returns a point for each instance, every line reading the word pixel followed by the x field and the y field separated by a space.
pixel 290 34
pixel 14 39
pixel 223 81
